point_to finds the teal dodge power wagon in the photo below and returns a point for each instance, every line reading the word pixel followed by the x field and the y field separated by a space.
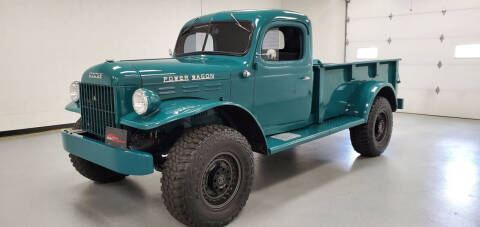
pixel 238 82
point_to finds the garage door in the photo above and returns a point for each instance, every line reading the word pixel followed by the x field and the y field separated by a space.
pixel 439 43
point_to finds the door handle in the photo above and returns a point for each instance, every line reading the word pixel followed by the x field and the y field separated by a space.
pixel 305 78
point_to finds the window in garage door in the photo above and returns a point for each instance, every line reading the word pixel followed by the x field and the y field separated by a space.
pixel 367 53
pixel 467 51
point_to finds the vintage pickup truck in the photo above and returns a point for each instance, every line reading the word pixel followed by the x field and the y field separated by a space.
pixel 238 82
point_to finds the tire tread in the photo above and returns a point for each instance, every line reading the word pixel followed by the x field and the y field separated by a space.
pixel 95 172
pixel 360 136
pixel 180 159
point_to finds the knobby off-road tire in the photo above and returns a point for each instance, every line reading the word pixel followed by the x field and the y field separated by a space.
pixel 91 170
pixel 95 172
pixel 372 138
pixel 208 176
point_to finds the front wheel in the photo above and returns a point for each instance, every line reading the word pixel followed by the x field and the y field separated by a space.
pixel 208 176
pixel 95 172
pixel 372 138
pixel 91 170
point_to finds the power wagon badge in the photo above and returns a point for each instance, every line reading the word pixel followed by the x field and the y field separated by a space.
pixel 193 77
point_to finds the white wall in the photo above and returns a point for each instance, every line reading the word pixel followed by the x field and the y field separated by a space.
pixel 415 30
pixel 47 44
pixel 328 25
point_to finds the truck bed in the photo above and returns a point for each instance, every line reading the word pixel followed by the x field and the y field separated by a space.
pixel 335 84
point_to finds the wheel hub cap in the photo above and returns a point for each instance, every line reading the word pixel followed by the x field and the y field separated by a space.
pixel 380 126
pixel 221 180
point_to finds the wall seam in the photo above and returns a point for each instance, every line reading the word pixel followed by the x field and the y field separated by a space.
pixel 345 39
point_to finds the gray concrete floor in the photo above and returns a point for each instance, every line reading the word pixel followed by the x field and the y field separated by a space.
pixel 429 176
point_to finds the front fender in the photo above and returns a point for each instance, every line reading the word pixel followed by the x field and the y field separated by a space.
pixel 362 99
pixel 174 109
pixel 73 107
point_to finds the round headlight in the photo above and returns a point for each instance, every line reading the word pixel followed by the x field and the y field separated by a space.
pixel 145 101
pixel 140 101
pixel 75 91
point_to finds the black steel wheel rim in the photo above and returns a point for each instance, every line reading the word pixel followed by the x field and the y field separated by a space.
pixel 221 180
pixel 381 126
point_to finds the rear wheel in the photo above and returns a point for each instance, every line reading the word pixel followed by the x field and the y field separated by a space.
pixel 208 176
pixel 372 138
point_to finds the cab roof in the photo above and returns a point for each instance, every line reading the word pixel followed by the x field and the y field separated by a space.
pixel 251 15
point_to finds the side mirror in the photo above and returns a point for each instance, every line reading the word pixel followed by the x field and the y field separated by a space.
pixel 170 52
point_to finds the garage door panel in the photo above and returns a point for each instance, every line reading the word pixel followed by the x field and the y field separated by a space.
pixel 369 29
pixel 377 8
pixel 419 100
pixel 463 4
pixel 455 104
pixel 424 6
pixel 426 26
pixel 446 103
pixel 397 7
pixel 424 52
pixel 459 78
pixel 416 77
pixel 462 23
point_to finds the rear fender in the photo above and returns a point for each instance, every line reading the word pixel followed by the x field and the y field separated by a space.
pixel 362 99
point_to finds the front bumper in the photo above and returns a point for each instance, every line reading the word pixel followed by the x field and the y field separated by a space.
pixel 129 162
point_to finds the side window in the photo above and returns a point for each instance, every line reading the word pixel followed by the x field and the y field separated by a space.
pixel 282 44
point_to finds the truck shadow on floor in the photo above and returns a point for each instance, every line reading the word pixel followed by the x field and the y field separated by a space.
pixel 314 160
pixel 110 199
pixel 292 172
pixel 126 202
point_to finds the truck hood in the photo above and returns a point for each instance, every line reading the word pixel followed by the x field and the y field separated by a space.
pixel 148 72
pixel 112 74
pixel 180 70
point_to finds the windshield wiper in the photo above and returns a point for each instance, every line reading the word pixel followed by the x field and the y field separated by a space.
pixel 238 23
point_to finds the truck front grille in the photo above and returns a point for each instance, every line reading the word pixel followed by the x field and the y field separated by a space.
pixel 97 108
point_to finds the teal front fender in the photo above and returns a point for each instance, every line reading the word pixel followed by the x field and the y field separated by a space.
pixel 175 109
pixel 73 107
pixel 362 99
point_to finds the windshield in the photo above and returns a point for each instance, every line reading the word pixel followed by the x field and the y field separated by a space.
pixel 219 37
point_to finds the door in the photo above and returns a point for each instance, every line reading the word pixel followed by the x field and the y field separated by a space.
pixel 283 77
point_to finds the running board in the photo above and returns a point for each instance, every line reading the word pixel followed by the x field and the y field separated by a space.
pixel 283 141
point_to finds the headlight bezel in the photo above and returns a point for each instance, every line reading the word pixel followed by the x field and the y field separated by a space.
pixel 145 101
pixel 74 91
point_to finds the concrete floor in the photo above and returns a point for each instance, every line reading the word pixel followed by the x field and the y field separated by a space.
pixel 429 176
